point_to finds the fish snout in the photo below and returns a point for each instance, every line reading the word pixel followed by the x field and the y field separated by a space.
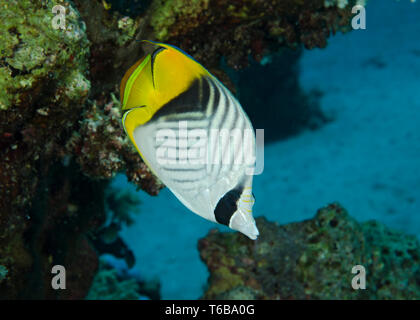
pixel 244 223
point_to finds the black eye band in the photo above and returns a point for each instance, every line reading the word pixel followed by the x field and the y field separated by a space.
pixel 154 54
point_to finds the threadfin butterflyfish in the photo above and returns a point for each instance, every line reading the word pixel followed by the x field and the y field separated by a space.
pixel 193 134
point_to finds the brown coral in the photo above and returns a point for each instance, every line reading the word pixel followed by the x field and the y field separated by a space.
pixel 313 259
pixel 235 29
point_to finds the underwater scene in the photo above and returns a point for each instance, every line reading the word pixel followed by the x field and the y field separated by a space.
pixel 209 150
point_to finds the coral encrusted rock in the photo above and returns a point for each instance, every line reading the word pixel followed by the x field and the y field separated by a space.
pixel 235 29
pixel 313 259
pixel 43 87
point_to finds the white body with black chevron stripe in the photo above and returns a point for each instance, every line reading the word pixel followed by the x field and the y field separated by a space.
pixel 211 186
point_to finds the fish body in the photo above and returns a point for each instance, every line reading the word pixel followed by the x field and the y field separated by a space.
pixel 193 134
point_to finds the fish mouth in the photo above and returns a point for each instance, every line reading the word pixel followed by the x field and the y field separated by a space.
pixel 244 223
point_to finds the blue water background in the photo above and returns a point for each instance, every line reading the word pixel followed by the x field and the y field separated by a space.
pixel 367 158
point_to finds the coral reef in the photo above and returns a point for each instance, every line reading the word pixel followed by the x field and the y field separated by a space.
pixel 341 3
pixel 235 29
pixel 132 8
pixel 43 88
pixel 109 284
pixel 67 207
pixel 102 149
pixel 113 46
pixel 46 125
pixel 120 206
pixel 313 259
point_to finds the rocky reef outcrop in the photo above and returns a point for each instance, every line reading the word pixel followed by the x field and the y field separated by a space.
pixel 313 259
pixel 109 284
pixel 44 86
pixel 59 143
pixel 235 29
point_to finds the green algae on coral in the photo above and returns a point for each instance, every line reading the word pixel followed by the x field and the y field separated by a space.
pixel 32 50
pixel 45 80
pixel 108 286
pixel 165 14
pixel 313 259
pixel 234 29
pixel 43 87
